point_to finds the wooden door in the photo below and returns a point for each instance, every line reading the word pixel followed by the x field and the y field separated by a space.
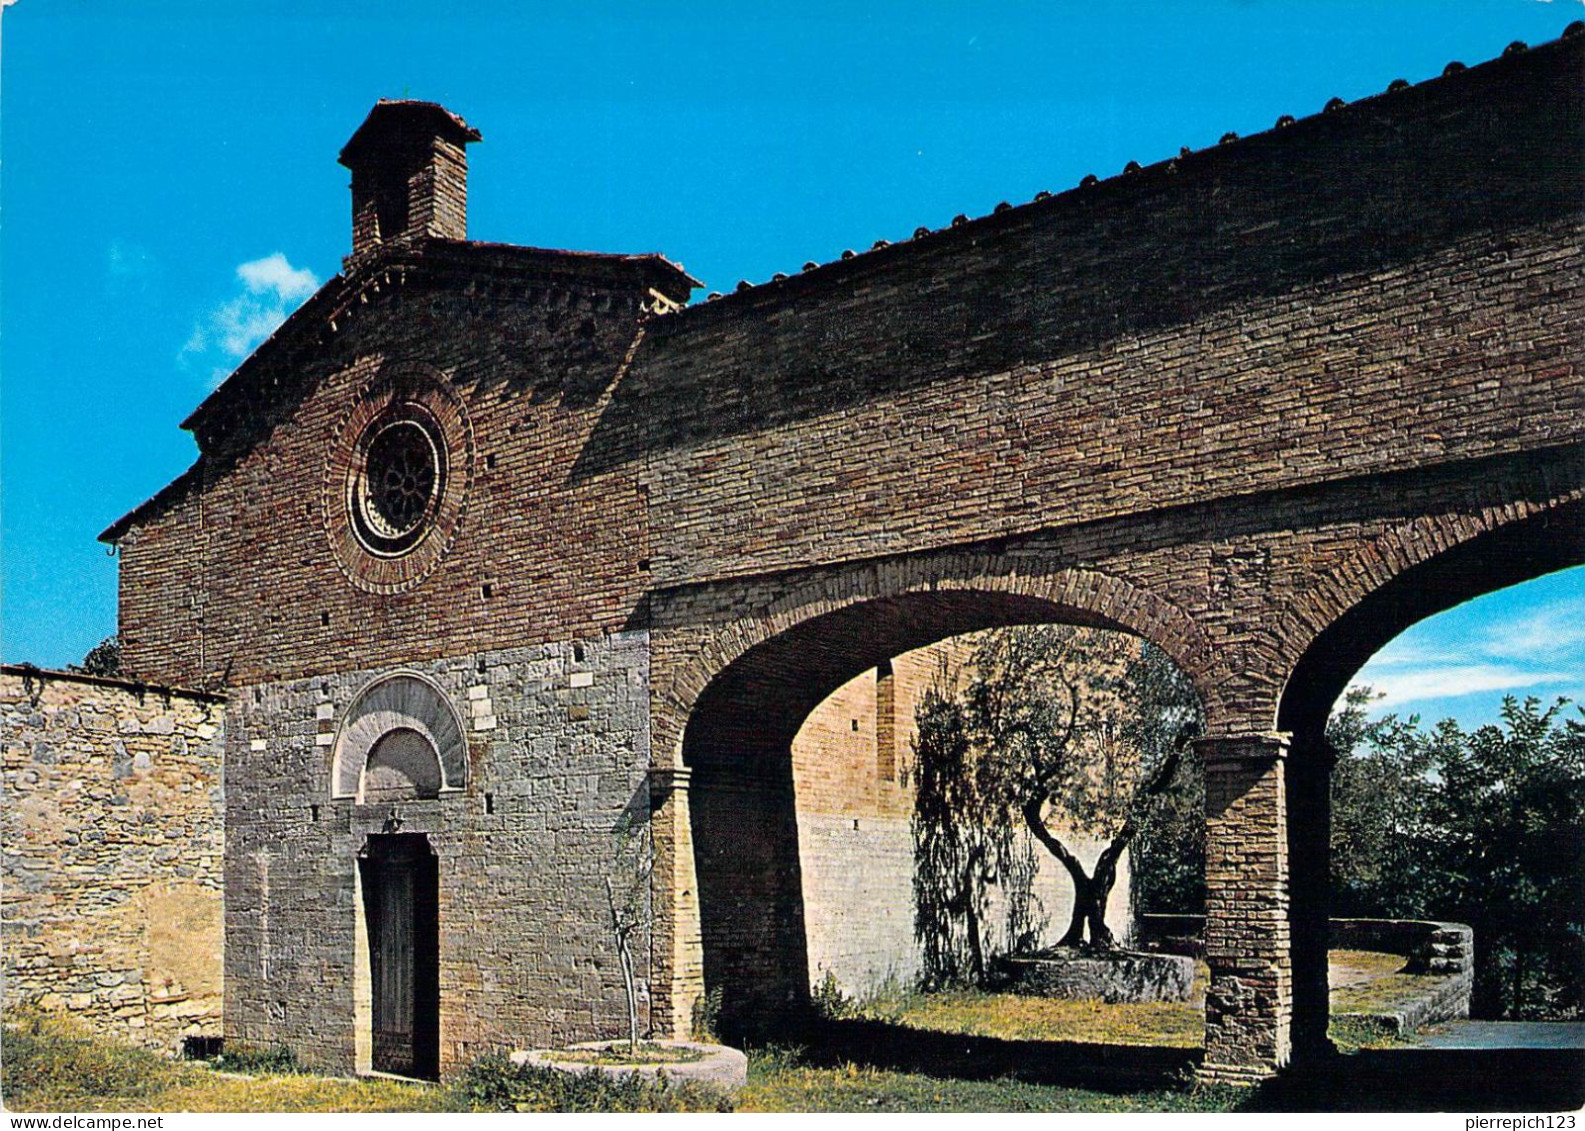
pixel 400 897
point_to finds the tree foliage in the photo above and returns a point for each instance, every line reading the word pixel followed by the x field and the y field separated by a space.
pixel 1167 863
pixel 103 659
pixel 1062 732
pixel 964 846
pixel 1484 827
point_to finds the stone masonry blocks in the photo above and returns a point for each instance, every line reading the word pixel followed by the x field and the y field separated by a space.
pixel 112 844
pixel 523 851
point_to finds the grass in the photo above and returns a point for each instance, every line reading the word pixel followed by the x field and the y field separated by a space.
pixel 780 1080
pixel 493 1083
pixel 1383 988
pixel 1015 1017
pixel 49 1067
pixel 51 1063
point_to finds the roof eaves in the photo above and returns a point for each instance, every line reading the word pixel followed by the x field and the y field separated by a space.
pixel 295 323
pixel 166 494
pixel 963 226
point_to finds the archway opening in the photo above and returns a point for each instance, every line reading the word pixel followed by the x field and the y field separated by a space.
pixel 1410 764
pixel 802 804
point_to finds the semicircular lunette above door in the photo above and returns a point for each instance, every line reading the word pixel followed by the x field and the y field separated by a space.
pixel 400 740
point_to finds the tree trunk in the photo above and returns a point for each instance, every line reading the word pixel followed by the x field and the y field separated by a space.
pixel 1089 899
pixel 1074 935
pixel 1515 1010
pixel 629 984
pixel 1090 892
pixel 622 932
pixel 1104 879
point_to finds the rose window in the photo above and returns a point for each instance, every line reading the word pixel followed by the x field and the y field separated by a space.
pixel 399 484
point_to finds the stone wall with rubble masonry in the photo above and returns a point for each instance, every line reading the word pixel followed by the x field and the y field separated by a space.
pixel 112 852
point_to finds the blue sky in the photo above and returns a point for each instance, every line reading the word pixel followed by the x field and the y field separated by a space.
pixel 170 192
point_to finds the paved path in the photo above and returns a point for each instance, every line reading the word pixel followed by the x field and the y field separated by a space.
pixel 1503 1035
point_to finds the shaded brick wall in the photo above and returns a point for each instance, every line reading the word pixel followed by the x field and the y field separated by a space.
pixel 1395 284
pixel 112 854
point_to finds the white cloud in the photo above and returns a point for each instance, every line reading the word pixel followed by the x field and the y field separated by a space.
pixel 270 288
pixel 1400 653
pixel 129 268
pixel 1539 634
pixel 1453 680
pixel 274 273
pixel 126 258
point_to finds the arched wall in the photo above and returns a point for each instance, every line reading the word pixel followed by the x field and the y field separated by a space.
pixel 402 701
pixel 1410 572
pixel 1245 595
pixel 835 627
pixel 1413 571
pixel 736 742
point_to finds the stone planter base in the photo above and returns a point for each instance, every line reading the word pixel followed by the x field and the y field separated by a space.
pixel 720 1067
pixel 1111 976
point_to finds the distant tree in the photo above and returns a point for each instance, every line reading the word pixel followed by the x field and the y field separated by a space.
pixel 1380 791
pixel 1485 828
pixel 1167 862
pixel 1067 732
pixel 1506 822
pixel 103 659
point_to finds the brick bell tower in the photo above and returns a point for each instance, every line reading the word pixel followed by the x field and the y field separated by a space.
pixel 409 176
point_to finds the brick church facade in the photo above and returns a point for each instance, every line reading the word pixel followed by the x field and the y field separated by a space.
pixel 497 551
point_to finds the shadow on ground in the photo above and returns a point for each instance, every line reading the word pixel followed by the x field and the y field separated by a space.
pixel 897 1048
pixel 1411 1079
pixel 1396 1079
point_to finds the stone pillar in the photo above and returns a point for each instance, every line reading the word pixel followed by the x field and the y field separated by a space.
pixel 676 956
pixel 1249 1003
pixel 1310 883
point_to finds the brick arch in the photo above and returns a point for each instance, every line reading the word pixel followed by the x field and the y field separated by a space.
pixel 1412 571
pixel 888 609
pixel 744 686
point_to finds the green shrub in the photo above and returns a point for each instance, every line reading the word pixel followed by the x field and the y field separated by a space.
pixel 1359 1030
pixel 46 1059
pixel 705 1022
pixel 494 1083
pixel 829 1001
pixel 255 1060
pixel 772 1059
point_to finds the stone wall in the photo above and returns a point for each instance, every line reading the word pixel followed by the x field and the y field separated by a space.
pixel 112 853
pixel 557 753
